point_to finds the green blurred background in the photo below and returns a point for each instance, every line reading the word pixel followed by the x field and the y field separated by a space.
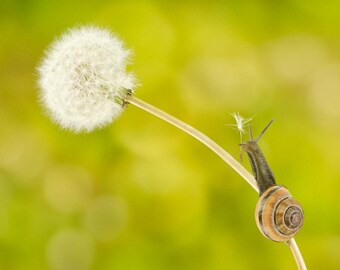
pixel 141 194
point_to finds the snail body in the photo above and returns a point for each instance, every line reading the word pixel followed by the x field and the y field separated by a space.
pixel 278 216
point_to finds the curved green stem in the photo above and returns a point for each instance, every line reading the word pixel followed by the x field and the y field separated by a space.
pixel 218 150
pixel 297 254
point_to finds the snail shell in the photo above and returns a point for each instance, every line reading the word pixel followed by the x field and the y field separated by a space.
pixel 278 216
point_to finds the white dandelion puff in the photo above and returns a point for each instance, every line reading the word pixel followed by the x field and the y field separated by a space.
pixel 83 78
pixel 240 123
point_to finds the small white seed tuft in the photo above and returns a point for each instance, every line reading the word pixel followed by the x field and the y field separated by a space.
pixel 240 123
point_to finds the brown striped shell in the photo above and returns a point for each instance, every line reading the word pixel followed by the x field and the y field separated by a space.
pixel 278 216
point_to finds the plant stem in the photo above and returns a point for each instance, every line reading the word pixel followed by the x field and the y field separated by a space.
pixel 224 155
pixel 297 254
pixel 198 135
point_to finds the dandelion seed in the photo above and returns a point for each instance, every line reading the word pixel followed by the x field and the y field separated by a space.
pixel 83 78
pixel 239 126
pixel 240 123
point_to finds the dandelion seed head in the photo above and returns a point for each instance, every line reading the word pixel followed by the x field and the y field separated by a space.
pixel 83 78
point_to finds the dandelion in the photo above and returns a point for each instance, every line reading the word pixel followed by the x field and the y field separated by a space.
pixel 84 85
pixel 83 78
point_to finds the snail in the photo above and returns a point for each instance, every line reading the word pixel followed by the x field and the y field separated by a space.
pixel 278 216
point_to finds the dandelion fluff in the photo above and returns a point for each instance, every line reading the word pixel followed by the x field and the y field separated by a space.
pixel 240 123
pixel 83 78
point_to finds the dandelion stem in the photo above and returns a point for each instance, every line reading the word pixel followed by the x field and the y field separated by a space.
pixel 297 254
pixel 218 150
pixel 198 135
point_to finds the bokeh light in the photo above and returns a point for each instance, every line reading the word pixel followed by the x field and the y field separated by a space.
pixel 70 249
pixel 67 188
pixel 106 217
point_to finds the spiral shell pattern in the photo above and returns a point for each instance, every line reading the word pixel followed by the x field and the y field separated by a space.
pixel 278 216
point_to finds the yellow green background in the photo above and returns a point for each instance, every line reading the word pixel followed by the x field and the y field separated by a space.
pixel 140 194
